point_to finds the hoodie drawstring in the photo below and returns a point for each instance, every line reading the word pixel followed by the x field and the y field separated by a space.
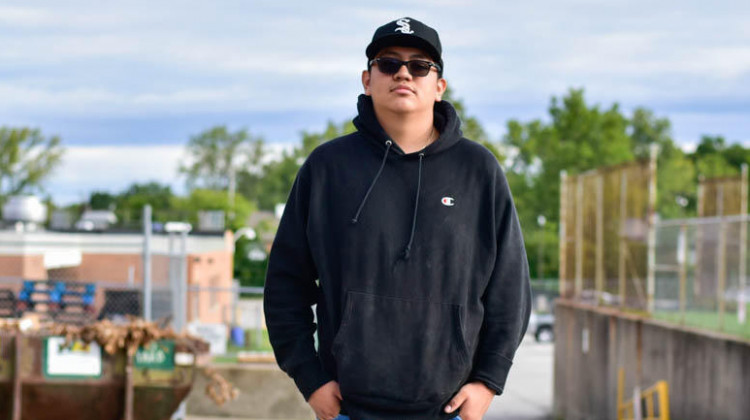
pixel 416 206
pixel 388 144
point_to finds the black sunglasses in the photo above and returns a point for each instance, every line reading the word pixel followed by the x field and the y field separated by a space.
pixel 417 68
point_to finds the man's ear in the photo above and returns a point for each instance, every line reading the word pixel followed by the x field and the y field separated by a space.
pixel 366 81
pixel 442 84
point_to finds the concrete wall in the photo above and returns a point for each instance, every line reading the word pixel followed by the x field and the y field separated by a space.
pixel 265 393
pixel 708 374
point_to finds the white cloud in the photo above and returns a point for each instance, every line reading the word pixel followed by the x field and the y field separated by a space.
pixel 114 168
pixel 109 59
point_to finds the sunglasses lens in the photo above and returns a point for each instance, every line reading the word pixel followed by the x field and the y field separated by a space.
pixel 419 68
pixel 389 65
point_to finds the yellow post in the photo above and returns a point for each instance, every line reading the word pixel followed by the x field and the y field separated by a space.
pixel 651 257
pixel 699 238
pixel 663 400
pixel 623 241
pixel 579 236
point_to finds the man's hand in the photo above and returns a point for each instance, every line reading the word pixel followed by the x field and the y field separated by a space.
pixel 326 401
pixel 474 399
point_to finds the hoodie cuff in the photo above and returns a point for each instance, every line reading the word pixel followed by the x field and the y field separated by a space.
pixel 309 377
pixel 492 370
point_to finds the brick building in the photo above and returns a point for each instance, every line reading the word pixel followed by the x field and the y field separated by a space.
pixel 114 260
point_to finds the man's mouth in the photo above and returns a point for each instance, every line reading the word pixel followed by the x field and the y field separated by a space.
pixel 402 89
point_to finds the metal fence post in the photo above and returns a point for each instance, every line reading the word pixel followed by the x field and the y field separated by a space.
pixel 183 280
pixel 599 237
pixel 623 242
pixel 651 259
pixel 682 260
pixel 698 269
pixel 722 270
pixel 579 236
pixel 563 238
pixel 147 262
pixel 173 286
pixel 742 281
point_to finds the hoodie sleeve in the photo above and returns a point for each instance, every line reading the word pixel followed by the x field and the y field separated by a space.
pixel 507 298
pixel 290 292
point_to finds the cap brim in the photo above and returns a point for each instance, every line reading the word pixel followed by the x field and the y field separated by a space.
pixel 401 40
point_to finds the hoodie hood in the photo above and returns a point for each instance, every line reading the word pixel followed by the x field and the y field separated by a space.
pixel 446 121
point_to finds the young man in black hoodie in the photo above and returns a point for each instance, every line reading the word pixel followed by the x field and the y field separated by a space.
pixel 405 236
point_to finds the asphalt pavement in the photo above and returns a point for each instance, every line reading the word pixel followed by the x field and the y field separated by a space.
pixel 528 391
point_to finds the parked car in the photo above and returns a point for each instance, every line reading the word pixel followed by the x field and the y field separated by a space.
pixel 542 326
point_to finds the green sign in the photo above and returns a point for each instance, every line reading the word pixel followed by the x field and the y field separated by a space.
pixel 158 355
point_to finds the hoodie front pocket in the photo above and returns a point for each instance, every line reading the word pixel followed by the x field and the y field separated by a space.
pixel 395 349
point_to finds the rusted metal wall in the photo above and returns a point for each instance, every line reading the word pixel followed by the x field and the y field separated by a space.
pixel 157 393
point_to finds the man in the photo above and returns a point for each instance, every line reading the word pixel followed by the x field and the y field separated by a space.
pixel 405 236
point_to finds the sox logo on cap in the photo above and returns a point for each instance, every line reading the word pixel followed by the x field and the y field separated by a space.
pixel 403 26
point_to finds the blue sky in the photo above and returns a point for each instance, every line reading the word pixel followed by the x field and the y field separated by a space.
pixel 125 84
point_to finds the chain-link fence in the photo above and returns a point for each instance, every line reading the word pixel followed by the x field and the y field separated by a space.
pixel 605 216
pixel 723 196
pixel 231 319
pixel 614 251
pixel 701 273
pixel 83 276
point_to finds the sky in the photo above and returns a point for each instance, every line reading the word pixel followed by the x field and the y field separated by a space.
pixel 126 84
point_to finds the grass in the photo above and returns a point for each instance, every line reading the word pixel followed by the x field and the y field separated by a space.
pixel 709 321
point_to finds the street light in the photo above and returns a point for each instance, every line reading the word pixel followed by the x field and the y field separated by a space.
pixel 245 232
pixel 541 221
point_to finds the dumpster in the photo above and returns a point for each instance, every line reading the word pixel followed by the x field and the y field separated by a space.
pixel 64 378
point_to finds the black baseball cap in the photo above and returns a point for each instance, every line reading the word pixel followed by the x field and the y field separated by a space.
pixel 406 32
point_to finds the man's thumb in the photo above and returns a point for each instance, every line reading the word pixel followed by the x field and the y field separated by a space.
pixel 455 402
pixel 337 392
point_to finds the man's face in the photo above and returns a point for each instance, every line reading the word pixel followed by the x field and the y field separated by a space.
pixel 402 92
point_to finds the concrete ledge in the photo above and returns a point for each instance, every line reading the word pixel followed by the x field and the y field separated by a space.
pixel 266 393
pixel 708 373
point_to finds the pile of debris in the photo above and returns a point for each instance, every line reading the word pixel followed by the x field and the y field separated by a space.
pixel 131 335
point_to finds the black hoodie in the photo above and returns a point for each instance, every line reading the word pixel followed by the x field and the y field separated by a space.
pixel 416 263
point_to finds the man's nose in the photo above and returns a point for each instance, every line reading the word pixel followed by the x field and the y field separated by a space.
pixel 403 72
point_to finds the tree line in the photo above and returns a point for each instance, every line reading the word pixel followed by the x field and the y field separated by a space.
pixel 235 171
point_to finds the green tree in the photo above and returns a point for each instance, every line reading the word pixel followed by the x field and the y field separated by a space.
pixel 27 158
pixel 248 271
pixel 278 175
pixel 713 158
pixel 207 199
pixel 215 154
pixel 675 170
pixel 101 200
pixel 129 203
pixel 577 138
pixel 471 126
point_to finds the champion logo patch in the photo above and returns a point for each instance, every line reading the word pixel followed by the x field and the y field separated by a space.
pixel 448 201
